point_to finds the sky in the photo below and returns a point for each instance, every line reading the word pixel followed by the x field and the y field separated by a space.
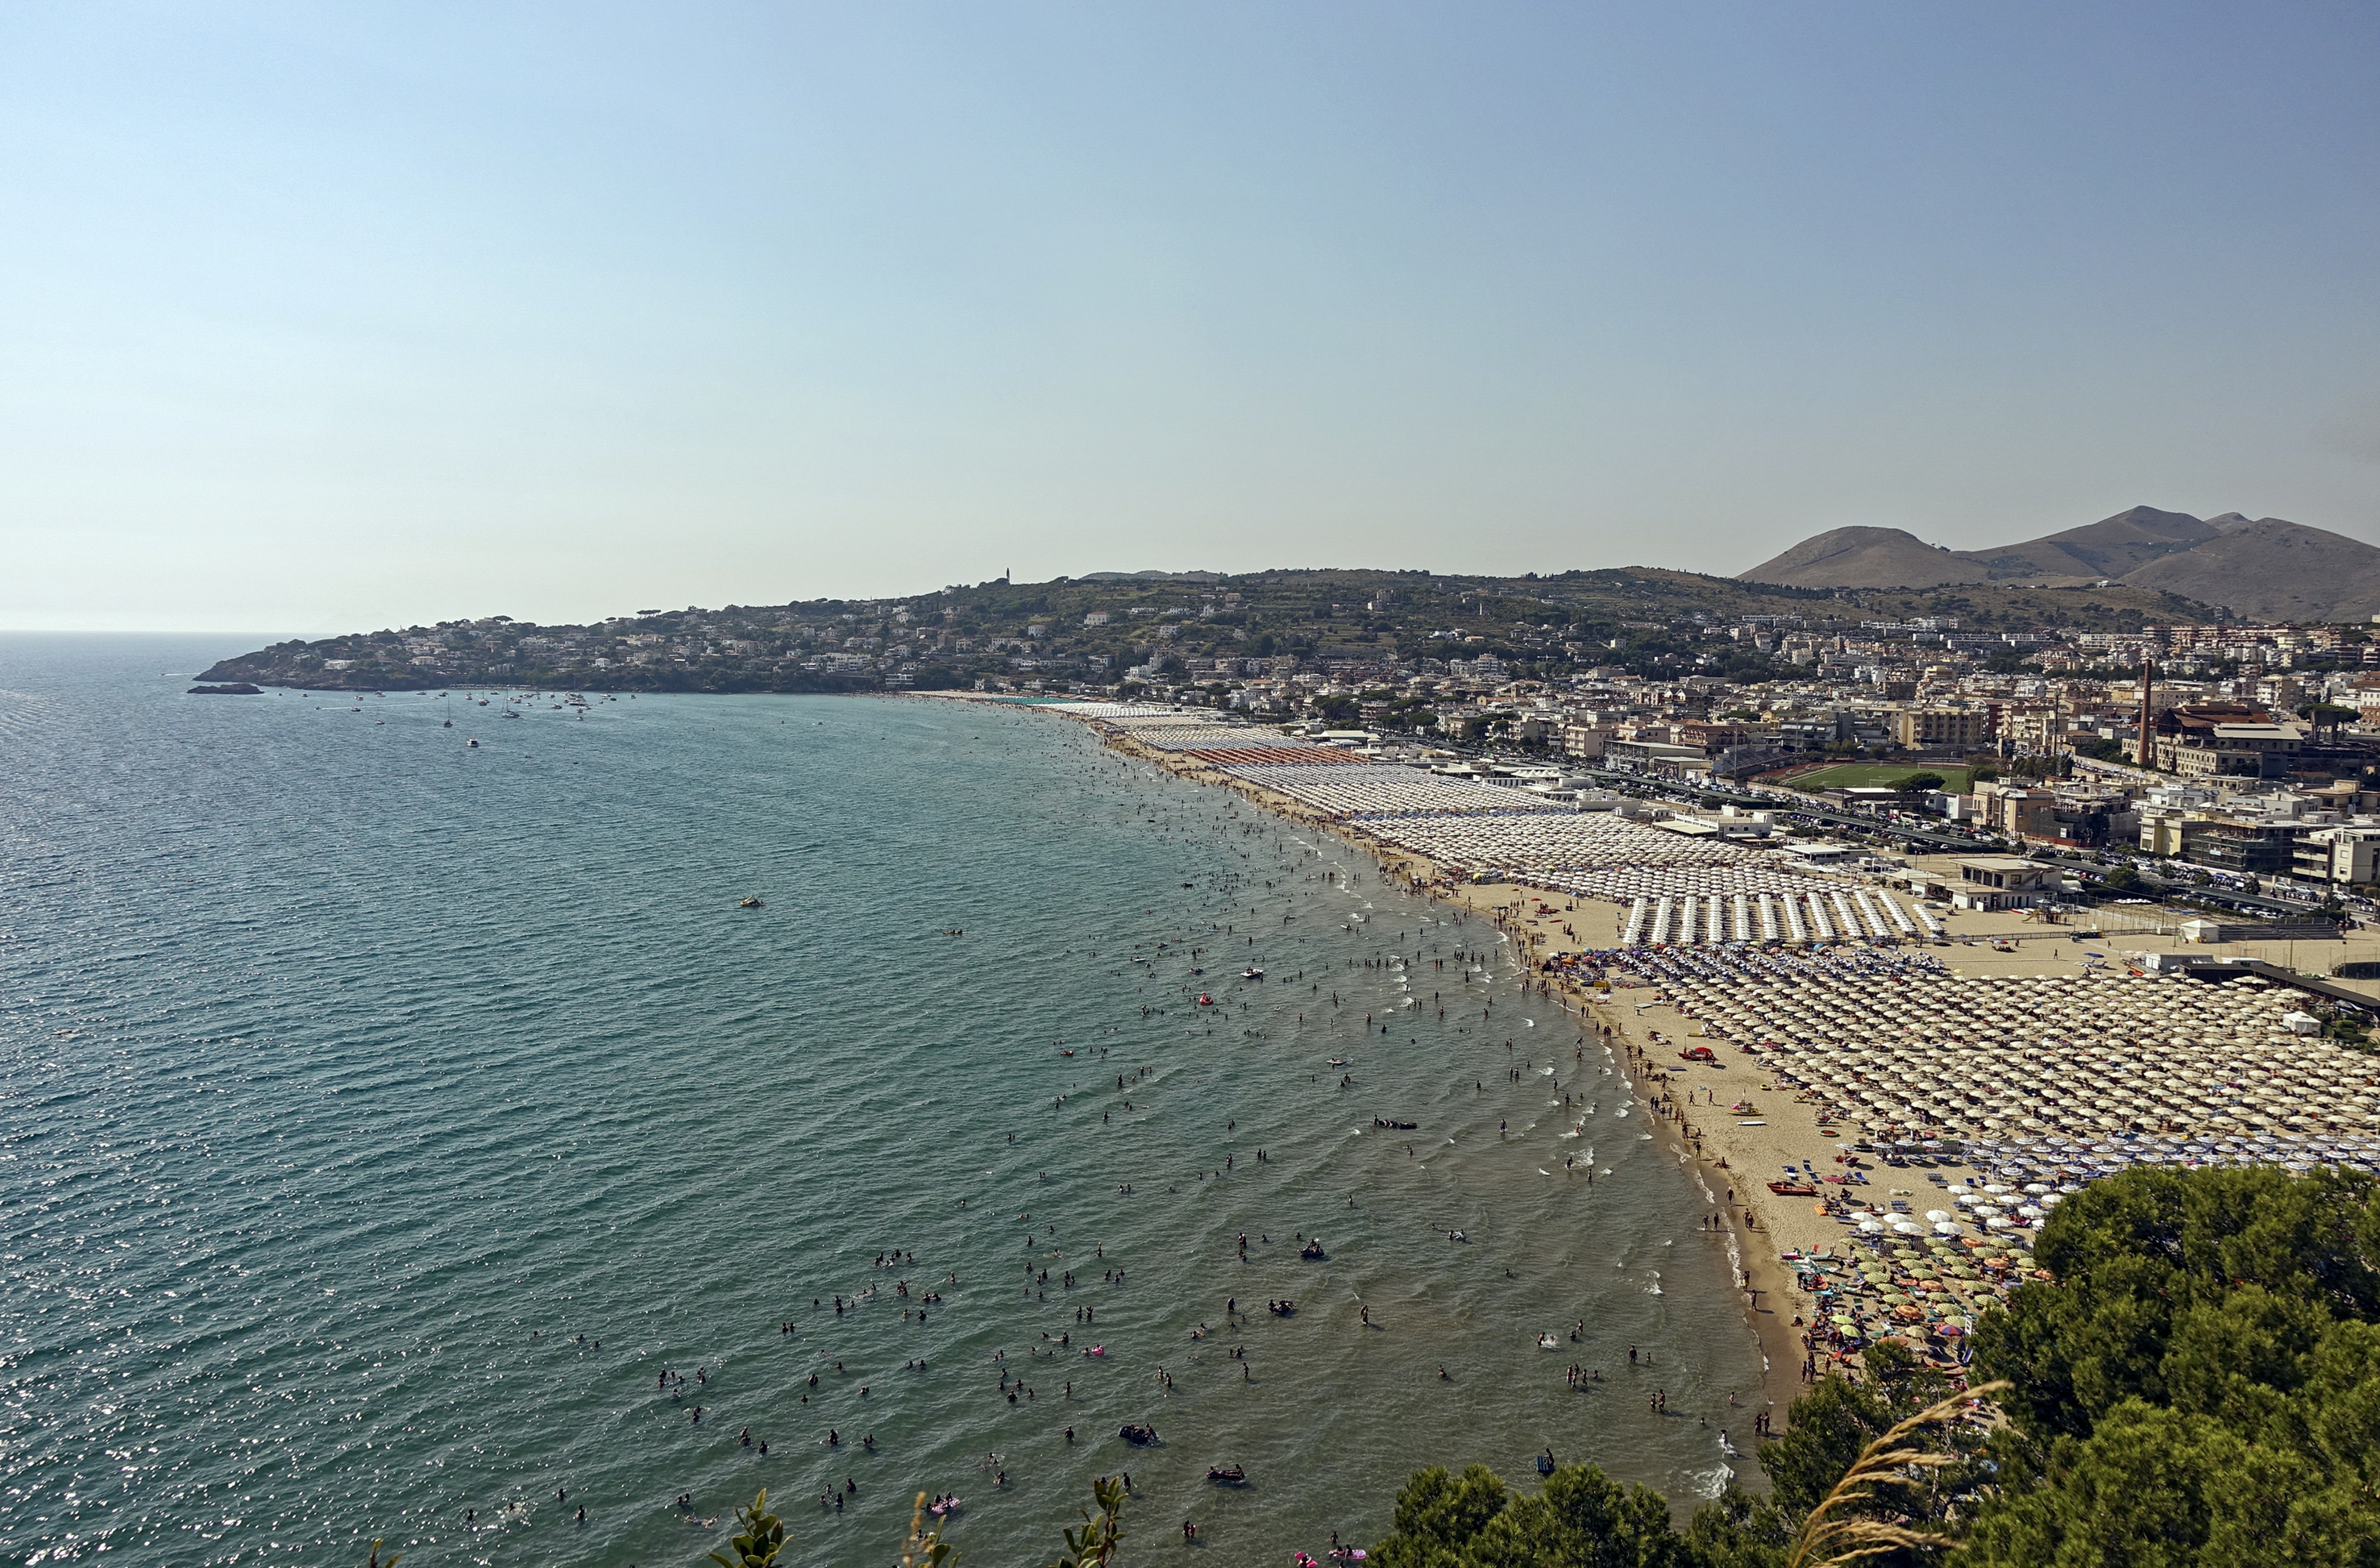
pixel 324 317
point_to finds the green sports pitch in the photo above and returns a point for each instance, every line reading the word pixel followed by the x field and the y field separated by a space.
pixel 1878 775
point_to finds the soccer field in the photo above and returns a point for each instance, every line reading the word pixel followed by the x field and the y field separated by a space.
pixel 1874 775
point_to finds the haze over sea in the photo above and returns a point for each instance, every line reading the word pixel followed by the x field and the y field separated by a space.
pixel 353 1075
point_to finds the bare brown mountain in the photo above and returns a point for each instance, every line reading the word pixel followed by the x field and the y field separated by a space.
pixel 2266 570
pixel 1863 557
pixel 2273 570
pixel 2107 548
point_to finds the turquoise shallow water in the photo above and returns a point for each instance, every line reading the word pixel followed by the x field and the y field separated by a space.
pixel 353 1075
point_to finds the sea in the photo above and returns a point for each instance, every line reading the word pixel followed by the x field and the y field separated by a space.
pixel 416 1140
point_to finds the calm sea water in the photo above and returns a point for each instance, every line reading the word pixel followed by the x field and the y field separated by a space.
pixel 354 1074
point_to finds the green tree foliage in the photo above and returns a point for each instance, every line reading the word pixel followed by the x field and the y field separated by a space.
pixel 1918 783
pixel 2202 1289
pixel 2200 1383
pixel 1339 712
pixel 1581 1519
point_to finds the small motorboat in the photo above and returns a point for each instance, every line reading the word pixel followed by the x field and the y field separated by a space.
pixel 1312 1251
pixel 1139 1436
pixel 1252 973
pixel 752 903
pixel 1235 1476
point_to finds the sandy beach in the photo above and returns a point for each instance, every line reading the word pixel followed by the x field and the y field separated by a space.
pixel 1729 1121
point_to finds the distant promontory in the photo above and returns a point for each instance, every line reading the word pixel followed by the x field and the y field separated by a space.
pixel 1187 628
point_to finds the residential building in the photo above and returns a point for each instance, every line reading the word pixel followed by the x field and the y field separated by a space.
pixel 2259 849
pixel 2338 855
pixel 1584 741
pixel 1966 728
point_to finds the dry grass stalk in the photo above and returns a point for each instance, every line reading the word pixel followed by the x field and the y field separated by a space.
pixel 923 1549
pixel 1879 1464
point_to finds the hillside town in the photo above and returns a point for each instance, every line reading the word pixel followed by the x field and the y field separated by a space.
pixel 2240 763
pixel 2261 774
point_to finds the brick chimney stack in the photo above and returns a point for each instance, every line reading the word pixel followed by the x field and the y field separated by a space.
pixel 2147 755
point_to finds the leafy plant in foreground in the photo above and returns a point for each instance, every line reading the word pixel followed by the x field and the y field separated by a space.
pixel 1093 1546
pixel 762 1538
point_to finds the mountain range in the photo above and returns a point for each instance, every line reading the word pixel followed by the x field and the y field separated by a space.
pixel 2260 569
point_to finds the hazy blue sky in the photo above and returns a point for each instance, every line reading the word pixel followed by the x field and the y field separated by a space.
pixel 334 316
